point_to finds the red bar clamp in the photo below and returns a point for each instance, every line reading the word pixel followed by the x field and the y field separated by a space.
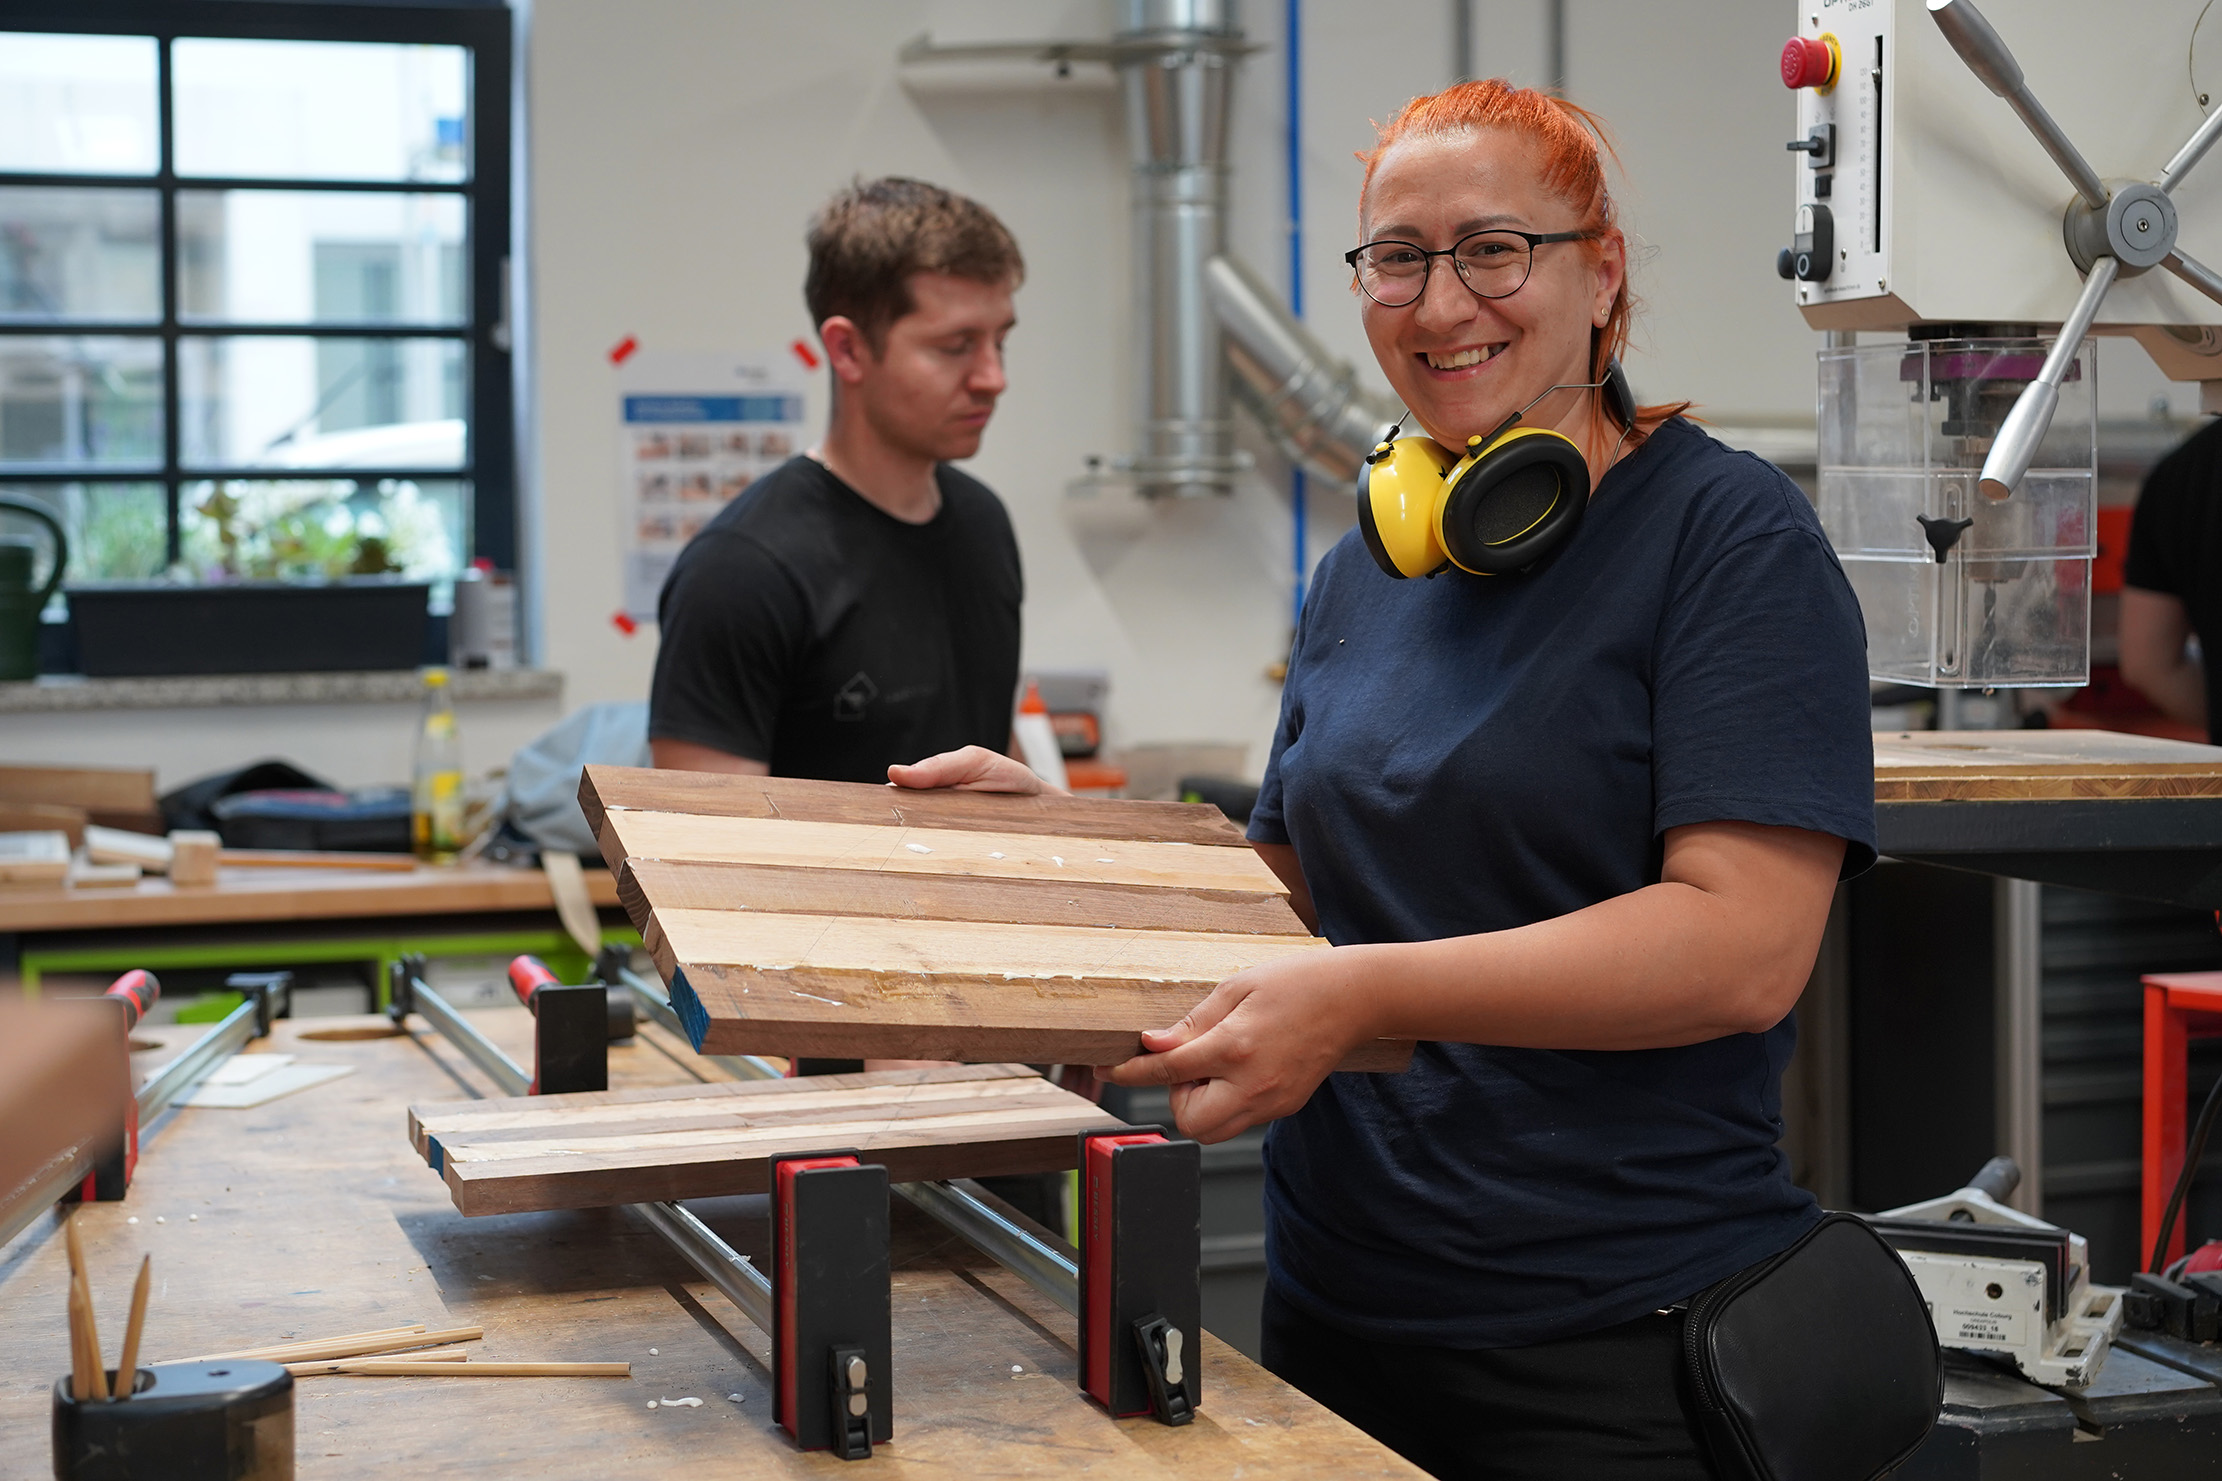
pixel 831 1327
pixel 133 993
pixel 1141 1257
pixel 570 1033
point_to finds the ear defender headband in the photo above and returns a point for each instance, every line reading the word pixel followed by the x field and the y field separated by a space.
pixel 1499 506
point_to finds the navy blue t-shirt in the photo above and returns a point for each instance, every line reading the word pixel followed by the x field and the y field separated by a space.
pixel 1469 754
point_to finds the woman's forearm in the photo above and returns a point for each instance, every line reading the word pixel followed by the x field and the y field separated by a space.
pixel 1724 949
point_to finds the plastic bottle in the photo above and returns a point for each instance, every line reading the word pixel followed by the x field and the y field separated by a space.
pixel 436 807
pixel 1037 741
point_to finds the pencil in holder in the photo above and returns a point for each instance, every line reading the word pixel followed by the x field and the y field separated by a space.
pixel 219 1421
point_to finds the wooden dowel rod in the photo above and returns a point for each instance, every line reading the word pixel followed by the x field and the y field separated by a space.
pixel 384 1368
pixel 80 1371
pixel 337 1365
pixel 240 858
pixel 344 1348
pixel 288 1347
pixel 99 1377
pixel 127 1365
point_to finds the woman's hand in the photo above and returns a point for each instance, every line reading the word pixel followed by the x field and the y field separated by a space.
pixel 1257 1048
pixel 973 769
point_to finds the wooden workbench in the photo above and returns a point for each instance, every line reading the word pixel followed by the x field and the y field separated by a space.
pixel 255 894
pixel 315 1216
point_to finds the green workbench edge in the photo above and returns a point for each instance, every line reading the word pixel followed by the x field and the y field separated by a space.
pixel 550 944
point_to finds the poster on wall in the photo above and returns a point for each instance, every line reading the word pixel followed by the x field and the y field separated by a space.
pixel 696 430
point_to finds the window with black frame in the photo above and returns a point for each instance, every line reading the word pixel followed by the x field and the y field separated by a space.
pixel 252 283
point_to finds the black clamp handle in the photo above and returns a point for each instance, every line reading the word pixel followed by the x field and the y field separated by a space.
pixel 852 1405
pixel 1166 1368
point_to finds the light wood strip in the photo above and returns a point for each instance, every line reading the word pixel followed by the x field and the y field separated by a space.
pixel 694 1112
pixel 682 884
pixel 966 949
pixel 898 850
pixel 649 1148
pixel 709 794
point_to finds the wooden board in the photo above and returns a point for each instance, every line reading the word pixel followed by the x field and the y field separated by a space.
pixel 116 796
pixel 2040 765
pixel 594 1149
pixel 847 921
pixel 33 858
pixel 330 1223
pixel 64 1082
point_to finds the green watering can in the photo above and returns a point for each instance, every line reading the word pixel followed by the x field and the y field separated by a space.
pixel 21 602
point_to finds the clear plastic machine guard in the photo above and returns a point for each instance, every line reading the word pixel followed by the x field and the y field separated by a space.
pixel 1959 591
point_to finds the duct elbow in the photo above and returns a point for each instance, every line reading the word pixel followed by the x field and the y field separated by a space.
pixel 1308 402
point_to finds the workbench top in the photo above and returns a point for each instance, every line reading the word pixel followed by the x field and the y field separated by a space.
pixel 242 895
pixel 315 1217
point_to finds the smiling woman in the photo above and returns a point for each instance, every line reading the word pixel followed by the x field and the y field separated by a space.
pixel 1574 827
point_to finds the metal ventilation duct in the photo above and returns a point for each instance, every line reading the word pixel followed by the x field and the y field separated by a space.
pixel 1309 403
pixel 1176 63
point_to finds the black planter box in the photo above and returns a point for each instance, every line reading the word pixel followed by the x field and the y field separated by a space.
pixel 251 627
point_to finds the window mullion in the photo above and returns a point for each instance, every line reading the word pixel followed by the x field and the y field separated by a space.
pixel 172 401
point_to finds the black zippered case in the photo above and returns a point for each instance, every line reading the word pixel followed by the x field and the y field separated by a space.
pixel 1816 1364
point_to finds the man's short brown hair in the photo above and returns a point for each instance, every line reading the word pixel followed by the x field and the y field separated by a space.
pixel 870 240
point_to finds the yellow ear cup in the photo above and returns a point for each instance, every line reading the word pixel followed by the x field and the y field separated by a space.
pixel 1399 506
pixel 1507 505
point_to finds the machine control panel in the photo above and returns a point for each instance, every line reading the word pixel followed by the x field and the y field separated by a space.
pixel 1839 65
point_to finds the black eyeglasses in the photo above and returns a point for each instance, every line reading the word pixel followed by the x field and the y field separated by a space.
pixel 1492 263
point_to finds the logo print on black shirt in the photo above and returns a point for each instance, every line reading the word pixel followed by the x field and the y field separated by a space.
pixel 852 699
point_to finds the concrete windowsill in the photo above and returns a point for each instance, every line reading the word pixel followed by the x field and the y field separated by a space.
pixel 55 693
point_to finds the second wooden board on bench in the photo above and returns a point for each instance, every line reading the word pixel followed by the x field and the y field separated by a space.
pixel 599 1148
pixel 849 921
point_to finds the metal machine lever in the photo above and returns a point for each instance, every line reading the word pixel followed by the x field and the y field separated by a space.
pixel 1988 57
pixel 2015 447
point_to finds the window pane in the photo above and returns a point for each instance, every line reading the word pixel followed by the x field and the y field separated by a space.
pixel 287 402
pixel 80 254
pixel 89 401
pixel 319 110
pixel 117 531
pixel 317 528
pixel 78 104
pixel 285 256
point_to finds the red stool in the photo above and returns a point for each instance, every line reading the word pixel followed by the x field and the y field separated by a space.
pixel 2179 1006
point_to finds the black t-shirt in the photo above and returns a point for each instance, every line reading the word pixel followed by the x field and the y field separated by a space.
pixel 808 629
pixel 1477 753
pixel 2175 547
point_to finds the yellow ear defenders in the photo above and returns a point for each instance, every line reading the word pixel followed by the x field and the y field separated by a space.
pixel 1501 505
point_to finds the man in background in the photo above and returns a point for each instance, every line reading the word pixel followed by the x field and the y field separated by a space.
pixel 858 606
pixel 2172 583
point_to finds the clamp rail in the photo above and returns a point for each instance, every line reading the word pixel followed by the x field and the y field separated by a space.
pixel 45 1188
pixel 718 1262
pixel 266 995
pixel 409 994
pixel 721 1265
pixel 1043 1266
pixel 1049 1270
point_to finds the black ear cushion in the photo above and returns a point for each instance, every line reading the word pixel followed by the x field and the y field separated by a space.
pixel 1516 505
pixel 1620 397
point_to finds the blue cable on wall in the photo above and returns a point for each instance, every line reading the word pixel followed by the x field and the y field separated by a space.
pixel 1299 536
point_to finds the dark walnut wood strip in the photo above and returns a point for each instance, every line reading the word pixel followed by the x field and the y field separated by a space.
pixel 689 885
pixel 709 794
pixel 895 1015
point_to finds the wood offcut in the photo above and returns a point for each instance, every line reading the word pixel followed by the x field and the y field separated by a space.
pixel 850 921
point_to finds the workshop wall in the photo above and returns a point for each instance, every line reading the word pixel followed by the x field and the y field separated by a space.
pixel 676 148
pixel 679 147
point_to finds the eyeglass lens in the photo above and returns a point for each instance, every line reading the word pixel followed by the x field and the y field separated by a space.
pixel 1493 264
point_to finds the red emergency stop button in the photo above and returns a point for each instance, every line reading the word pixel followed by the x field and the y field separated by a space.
pixel 1809 62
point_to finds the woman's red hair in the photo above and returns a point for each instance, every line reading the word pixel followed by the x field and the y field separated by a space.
pixel 1573 147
